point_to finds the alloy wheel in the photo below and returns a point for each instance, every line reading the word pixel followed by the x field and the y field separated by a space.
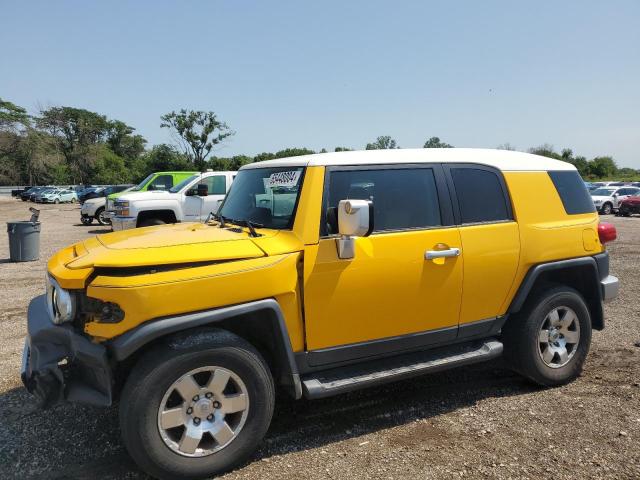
pixel 203 411
pixel 559 337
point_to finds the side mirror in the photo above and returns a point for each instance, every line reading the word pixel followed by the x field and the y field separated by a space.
pixel 203 190
pixel 355 219
pixel 151 188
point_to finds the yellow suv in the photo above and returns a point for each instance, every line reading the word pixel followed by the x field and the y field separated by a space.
pixel 319 275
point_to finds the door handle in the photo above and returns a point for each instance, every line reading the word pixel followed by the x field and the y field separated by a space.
pixel 448 253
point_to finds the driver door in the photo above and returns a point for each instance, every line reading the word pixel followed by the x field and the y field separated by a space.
pixel 389 296
pixel 197 208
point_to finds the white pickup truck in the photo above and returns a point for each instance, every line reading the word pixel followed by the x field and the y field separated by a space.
pixel 189 201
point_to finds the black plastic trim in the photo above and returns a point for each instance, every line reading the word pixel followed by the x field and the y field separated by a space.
pixel 60 364
pixel 128 343
pixel 320 359
pixel 533 274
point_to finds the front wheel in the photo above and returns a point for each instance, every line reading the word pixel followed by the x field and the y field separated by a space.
pixel 86 220
pixel 196 407
pixel 549 339
pixel 56 200
pixel 607 208
pixel 101 215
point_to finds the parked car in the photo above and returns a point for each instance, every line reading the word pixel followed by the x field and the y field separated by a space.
pixel 28 193
pixel 89 193
pixel 190 200
pixel 94 208
pixel 607 199
pixel 37 197
pixel 629 206
pixel 59 195
pixel 157 181
pixel 321 274
pixel 17 191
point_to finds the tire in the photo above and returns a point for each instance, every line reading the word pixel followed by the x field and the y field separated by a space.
pixel 607 208
pixel 56 200
pixel 150 388
pixel 523 335
pixel 73 200
pixel 150 222
pixel 102 220
pixel 86 220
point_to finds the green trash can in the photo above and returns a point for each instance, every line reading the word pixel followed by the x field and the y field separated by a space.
pixel 24 241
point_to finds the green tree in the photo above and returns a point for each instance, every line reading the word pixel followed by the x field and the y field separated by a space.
pixel 383 142
pixel 264 156
pixel 293 152
pixel 602 167
pixel 123 142
pixel 434 142
pixel 342 149
pixel 506 146
pixel 109 168
pixel 545 150
pixel 78 132
pixel 198 133
pixel 12 117
pixel 160 158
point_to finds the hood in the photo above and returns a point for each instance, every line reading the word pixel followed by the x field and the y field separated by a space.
pixel 92 201
pixel 167 244
pixel 600 197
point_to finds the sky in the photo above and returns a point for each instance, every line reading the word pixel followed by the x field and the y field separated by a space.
pixel 337 73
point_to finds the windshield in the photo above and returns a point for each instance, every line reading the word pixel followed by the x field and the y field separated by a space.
pixel 603 192
pixel 182 184
pixel 141 185
pixel 264 196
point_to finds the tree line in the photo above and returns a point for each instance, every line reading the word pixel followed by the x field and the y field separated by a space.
pixel 67 145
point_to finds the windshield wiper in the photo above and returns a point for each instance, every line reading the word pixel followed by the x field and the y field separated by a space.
pixel 249 224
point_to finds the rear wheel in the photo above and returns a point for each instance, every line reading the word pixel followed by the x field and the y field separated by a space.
pixel 194 409
pixel 549 340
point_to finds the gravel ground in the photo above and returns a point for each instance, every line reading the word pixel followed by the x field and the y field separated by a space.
pixel 473 422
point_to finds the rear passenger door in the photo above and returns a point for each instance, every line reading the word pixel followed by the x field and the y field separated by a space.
pixel 490 242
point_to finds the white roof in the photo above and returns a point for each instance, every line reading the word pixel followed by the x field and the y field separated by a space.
pixel 506 160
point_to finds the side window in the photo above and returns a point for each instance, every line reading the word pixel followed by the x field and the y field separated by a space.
pixel 574 195
pixel 161 182
pixel 402 198
pixel 480 195
pixel 217 185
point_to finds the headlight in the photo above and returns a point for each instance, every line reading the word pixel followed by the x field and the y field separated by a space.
pixel 61 303
pixel 597 202
pixel 122 208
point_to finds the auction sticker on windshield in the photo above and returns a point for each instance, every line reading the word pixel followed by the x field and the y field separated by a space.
pixel 284 179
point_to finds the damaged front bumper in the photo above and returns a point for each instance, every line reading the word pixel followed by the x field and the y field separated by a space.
pixel 60 364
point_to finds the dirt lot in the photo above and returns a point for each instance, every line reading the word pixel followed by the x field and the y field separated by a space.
pixel 475 422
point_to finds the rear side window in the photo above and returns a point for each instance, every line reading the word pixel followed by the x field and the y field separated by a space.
pixel 480 194
pixel 161 182
pixel 573 193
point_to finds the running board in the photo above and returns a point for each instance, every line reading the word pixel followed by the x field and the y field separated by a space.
pixel 376 372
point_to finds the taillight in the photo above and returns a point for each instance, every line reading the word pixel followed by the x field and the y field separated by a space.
pixel 607 233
